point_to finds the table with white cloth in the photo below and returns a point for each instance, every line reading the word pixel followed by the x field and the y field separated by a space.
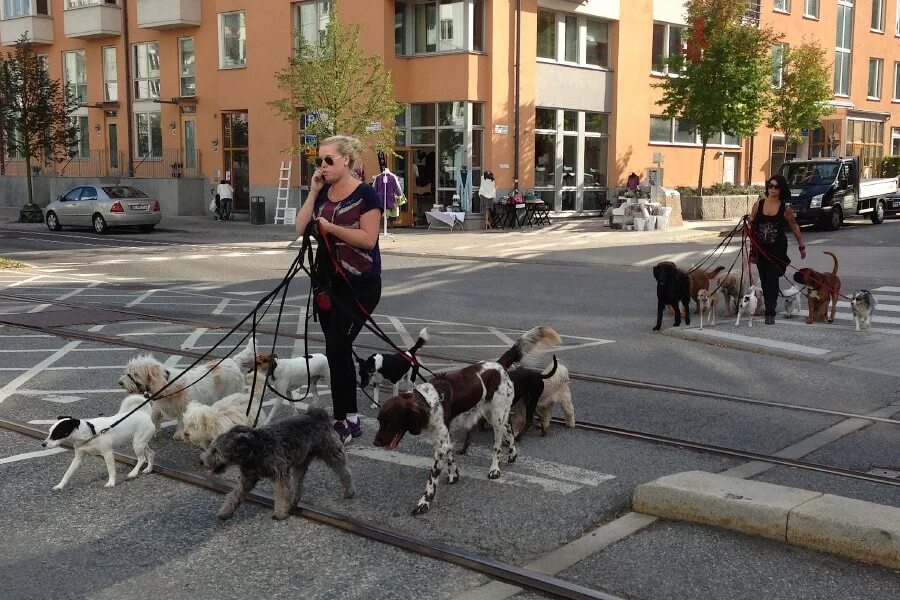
pixel 447 219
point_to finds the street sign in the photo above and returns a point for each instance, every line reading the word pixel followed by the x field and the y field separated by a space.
pixel 309 140
pixel 374 126
pixel 501 129
pixel 310 117
pixel 290 216
pixel 658 157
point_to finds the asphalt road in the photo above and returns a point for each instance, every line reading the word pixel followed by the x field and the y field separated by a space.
pixel 156 536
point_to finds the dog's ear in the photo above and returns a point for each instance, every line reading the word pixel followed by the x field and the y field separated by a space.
pixel 418 414
pixel 60 418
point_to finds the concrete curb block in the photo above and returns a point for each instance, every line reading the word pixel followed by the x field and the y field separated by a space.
pixel 695 335
pixel 853 528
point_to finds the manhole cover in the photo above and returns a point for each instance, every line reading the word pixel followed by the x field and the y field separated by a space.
pixel 61 318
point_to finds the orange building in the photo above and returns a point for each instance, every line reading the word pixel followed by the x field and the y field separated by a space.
pixel 175 93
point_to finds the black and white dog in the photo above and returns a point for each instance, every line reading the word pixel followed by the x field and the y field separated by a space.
pixel 379 368
pixel 863 305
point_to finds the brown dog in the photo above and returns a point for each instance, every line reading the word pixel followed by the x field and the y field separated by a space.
pixel 823 287
pixel 700 281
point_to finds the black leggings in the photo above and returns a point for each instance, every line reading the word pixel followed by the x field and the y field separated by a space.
pixel 341 325
pixel 768 278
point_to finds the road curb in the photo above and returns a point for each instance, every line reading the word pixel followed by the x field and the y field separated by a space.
pixel 782 349
pixel 844 526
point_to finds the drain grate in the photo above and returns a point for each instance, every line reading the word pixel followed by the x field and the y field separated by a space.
pixel 62 318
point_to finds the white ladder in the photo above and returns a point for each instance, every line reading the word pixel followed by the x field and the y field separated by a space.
pixel 284 188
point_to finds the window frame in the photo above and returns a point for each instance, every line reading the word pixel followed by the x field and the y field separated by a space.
pixel 473 28
pixel 181 66
pixel 781 6
pixel 895 96
pixel 82 141
pixel 811 14
pixel 323 12
pixel 879 18
pixel 151 82
pixel 110 84
pixel 150 156
pixel 879 79
pixel 844 53
pixel 561 40
pixel 78 86
pixel 667 46
pixel 221 39
pixel 778 66
pixel 32 9
pixel 75 4
pixel 717 141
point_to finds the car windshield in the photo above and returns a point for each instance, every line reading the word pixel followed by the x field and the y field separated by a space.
pixel 124 191
pixel 800 174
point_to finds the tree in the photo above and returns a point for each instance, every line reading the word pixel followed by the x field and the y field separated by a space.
pixel 723 79
pixel 36 109
pixel 805 93
pixel 348 92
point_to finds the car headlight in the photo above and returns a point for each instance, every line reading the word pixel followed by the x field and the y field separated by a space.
pixel 816 201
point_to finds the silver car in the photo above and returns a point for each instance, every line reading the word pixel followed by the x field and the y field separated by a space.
pixel 102 207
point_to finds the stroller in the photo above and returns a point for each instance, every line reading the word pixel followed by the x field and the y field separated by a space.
pixel 222 210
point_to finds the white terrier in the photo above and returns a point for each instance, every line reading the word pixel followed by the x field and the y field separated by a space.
pixel 791 296
pixel 288 374
pixel 749 304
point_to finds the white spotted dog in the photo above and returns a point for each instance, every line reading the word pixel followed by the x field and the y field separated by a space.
pixel 749 303
pixel 85 435
pixel 204 383
pixel 463 397
pixel 392 368
pixel 863 305
pixel 791 297
pixel 706 301
pixel 288 374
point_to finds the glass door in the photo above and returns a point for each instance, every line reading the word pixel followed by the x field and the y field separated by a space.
pixel 190 144
pixel 112 137
pixel 236 156
pixel 401 170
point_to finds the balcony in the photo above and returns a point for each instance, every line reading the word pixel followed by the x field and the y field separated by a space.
pixel 168 14
pixel 87 19
pixel 39 29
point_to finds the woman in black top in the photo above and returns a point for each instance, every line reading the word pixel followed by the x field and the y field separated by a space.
pixel 770 220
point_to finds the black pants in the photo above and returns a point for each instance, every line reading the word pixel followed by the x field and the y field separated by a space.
pixel 768 278
pixel 341 325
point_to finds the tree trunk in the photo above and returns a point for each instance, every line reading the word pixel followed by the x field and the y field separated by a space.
pixel 28 181
pixel 702 163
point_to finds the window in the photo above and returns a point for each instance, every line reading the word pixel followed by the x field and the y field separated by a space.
pixel 896 97
pixel 664 130
pixel 149 135
pixel 110 75
pixel 13 9
pixel 876 70
pixel 232 40
pixel 597 43
pixel 570 27
pixel 778 64
pixel 865 139
pixel 583 41
pixel 546 42
pixel 81 3
pixel 146 71
pixel 312 18
pixel 897 26
pixel 811 8
pixel 685 132
pixel 668 40
pixel 75 74
pixel 187 67
pixel 895 141
pixel 80 147
pixel 878 15
pixel 434 26
pixel 844 45
pixel 782 5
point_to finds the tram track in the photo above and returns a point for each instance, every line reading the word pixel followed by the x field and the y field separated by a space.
pixel 582 425
pixel 501 571
pixel 425 353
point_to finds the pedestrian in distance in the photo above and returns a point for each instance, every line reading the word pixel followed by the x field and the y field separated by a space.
pixel 770 220
pixel 225 195
pixel 347 212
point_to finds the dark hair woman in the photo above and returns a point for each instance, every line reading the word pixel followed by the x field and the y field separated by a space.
pixel 770 219
pixel 348 212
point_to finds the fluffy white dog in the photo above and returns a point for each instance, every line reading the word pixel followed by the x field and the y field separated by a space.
pixel 203 384
pixel 749 303
pixel 85 436
pixel 791 296
pixel 202 424
pixel 288 374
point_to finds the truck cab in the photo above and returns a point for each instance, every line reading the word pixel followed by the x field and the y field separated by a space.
pixel 825 191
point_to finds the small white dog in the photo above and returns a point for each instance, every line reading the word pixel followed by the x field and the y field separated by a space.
pixel 286 375
pixel 204 383
pixel 791 296
pixel 749 304
pixel 706 301
pixel 202 424
pixel 83 434
pixel 863 305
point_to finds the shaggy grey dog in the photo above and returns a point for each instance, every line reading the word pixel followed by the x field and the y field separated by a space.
pixel 281 452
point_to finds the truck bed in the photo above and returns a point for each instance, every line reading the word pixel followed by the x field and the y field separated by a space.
pixel 870 188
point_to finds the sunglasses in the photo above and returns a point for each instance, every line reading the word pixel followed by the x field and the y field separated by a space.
pixel 328 160
pixel 773 186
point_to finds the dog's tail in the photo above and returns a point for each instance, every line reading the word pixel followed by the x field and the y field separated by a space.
pixel 132 401
pixel 834 256
pixel 715 272
pixel 534 341
pixel 319 414
pixel 423 339
pixel 246 357
pixel 552 369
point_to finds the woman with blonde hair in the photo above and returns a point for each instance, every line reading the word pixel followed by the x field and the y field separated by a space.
pixel 348 212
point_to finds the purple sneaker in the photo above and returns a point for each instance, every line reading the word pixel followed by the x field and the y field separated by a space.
pixel 343 431
pixel 355 428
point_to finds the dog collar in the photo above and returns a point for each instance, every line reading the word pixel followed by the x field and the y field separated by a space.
pixel 91 427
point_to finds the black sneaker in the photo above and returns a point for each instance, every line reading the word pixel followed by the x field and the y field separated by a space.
pixel 355 428
pixel 343 431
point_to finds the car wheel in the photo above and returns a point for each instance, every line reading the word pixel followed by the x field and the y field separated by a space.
pixel 878 214
pixel 146 228
pixel 837 219
pixel 100 225
pixel 53 222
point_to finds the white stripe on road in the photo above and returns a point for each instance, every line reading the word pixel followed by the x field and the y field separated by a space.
pixel 876 318
pixel 762 342
pixel 892 290
pixel 221 307
pixel 880 307
pixel 141 298
pixel 30 455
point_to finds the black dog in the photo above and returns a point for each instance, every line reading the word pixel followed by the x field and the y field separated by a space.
pixel 529 386
pixel 379 368
pixel 672 286
pixel 281 452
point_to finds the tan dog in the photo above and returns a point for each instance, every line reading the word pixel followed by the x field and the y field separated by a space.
pixel 730 288
pixel 707 301
pixel 823 288
pixel 700 281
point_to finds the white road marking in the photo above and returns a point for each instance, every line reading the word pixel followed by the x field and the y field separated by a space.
pixel 59 399
pixel 10 388
pixel 406 338
pixel 221 307
pixel 712 333
pixel 30 455
pixel 141 298
pixel 893 290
